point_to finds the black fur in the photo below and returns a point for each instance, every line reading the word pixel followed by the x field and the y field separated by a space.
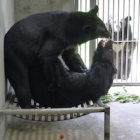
pixel 41 38
pixel 76 88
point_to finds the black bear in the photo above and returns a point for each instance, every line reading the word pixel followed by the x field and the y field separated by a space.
pixel 76 88
pixel 41 38
pixel 124 45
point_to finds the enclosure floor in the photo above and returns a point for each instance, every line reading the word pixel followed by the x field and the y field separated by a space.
pixel 125 125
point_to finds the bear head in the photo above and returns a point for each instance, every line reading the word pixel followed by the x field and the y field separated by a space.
pixel 94 27
pixel 104 54
pixel 104 51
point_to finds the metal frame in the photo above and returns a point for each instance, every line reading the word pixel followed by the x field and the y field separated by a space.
pixel 7 110
pixel 61 111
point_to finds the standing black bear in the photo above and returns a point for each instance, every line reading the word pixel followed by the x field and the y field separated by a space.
pixel 42 37
pixel 123 47
pixel 76 88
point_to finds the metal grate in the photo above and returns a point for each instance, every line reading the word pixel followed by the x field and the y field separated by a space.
pixel 11 107
pixel 126 43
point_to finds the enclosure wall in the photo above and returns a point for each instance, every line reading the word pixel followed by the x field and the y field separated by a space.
pixel 6 20
pixel 24 8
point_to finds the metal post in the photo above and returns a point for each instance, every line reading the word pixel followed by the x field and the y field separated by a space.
pixel 107 123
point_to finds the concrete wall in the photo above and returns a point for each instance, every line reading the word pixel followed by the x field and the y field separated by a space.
pixel 6 20
pixel 7 8
pixel 24 8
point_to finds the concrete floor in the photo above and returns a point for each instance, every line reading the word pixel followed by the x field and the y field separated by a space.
pixel 125 125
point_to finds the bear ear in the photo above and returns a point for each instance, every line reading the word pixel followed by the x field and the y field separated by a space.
pixel 94 10
pixel 128 18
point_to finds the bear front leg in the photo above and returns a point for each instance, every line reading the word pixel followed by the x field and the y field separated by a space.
pixel 73 60
pixel 48 56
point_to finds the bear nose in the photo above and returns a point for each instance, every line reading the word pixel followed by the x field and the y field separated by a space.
pixel 106 34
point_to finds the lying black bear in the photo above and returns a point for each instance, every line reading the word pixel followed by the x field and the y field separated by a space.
pixel 76 88
pixel 42 37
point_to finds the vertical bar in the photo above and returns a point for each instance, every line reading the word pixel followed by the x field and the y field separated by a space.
pixel 58 117
pixel 113 21
pixel 107 123
pixel 103 10
pixel 85 43
pixel 117 54
pixel 76 4
pixel 132 49
pixel 84 48
pixel 108 12
pixel 118 21
pixel 117 37
pixel 98 2
pixel 138 40
pixel 92 43
pixel 113 8
pixel 71 115
pixel 65 116
pixel 122 51
pixel 126 70
pixel 123 10
pixel 79 9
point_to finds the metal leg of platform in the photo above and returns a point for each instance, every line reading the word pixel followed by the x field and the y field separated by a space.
pixel 107 123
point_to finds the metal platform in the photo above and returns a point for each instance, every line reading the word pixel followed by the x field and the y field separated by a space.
pixel 41 114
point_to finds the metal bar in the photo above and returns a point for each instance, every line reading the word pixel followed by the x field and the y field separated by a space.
pixel 92 43
pixel 137 55
pixel 113 20
pixel 122 52
pixel 51 111
pixel 103 10
pixel 123 22
pixel 107 124
pixel 97 2
pixel 126 84
pixel 130 41
pixel 76 4
pixel 118 20
pixel 108 13
pixel 132 49
pixel 122 59
pixel 85 46
pixel 137 3
pixel 117 54
pixel 126 66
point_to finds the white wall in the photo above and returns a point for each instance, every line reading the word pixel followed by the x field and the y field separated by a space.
pixel 2 30
pixel 8 13
pixel 6 20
